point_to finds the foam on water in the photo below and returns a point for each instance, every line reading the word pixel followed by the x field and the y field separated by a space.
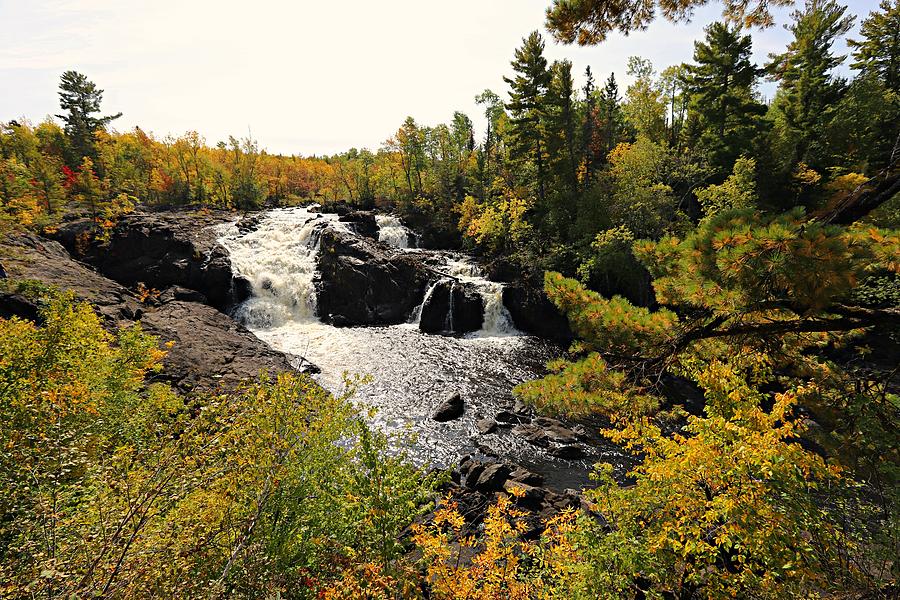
pixel 411 371
pixel 392 232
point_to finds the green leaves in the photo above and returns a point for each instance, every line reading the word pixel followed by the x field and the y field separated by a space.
pixel 115 488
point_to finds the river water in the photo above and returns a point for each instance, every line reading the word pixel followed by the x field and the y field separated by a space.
pixel 410 372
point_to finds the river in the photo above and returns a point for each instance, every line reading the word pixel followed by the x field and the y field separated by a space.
pixel 410 372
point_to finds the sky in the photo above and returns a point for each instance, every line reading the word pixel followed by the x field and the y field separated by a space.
pixel 303 77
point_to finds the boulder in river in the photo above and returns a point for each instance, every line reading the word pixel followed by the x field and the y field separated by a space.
pixel 361 282
pixel 451 408
pixel 362 222
pixel 532 312
pixel 486 426
pixel 453 307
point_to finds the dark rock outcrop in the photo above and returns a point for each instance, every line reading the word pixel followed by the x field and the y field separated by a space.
pixel 451 408
pixel 486 426
pixel 361 282
pixel 532 312
pixel 162 249
pixel 210 348
pixel 543 430
pixel 17 305
pixel 453 307
pixel 490 479
pixel 362 222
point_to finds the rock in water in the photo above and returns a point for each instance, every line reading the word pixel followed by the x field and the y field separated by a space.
pixel 492 478
pixel 449 409
pixel 362 222
pixel 570 452
pixel 454 307
pixel 532 312
pixel 486 426
pixel 361 282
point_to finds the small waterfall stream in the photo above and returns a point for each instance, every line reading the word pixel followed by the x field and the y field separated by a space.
pixel 411 371
pixel 393 233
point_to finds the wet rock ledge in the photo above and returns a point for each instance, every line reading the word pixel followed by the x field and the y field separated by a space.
pixel 211 350
pixel 162 249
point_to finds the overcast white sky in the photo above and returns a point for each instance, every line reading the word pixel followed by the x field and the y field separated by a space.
pixel 305 77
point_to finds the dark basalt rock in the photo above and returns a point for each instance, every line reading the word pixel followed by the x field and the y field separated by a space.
pixel 362 222
pixel 210 348
pixel 249 223
pixel 362 282
pixel 467 314
pixel 17 305
pixel 570 452
pixel 532 312
pixel 490 479
pixel 542 431
pixel 176 292
pixel 486 426
pixel 450 409
pixel 162 249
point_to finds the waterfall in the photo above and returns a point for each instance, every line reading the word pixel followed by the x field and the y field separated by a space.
pixel 279 260
pixel 497 320
pixel 416 316
pixel 450 305
pixel 392 232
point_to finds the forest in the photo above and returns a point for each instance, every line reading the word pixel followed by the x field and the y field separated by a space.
pixel 690 229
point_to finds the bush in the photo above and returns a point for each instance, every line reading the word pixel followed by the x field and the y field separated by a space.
pixel 112 487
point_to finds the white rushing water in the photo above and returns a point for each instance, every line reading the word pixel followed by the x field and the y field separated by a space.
pixel 411 372
pixel 392 232
pixel 497 320
pixel 279 260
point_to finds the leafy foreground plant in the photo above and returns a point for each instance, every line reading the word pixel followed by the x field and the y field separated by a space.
pixel 762 315
pixel 112 487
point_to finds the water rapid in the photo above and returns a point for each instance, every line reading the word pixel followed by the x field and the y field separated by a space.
pixel 392 232
pixel 411 372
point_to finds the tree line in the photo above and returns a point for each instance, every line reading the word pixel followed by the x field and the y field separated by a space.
pixel 729 270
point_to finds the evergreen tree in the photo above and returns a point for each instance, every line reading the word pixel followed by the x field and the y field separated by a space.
pixel 562 147
pixel 809 92
pixel 878 53
pixel 591 21
pixel 527 105
pixel 488 157
pixel 562 142
pixel 613 120
pixel 722 84
pixel 81 99
pixel 589 126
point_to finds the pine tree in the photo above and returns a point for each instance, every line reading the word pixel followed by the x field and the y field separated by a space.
pixel 562 142
pixel 809 92
pixel 613 120
pixel 589 126
pixel 527 105
pixel 878 53
pixel 722 85
pixel 81 100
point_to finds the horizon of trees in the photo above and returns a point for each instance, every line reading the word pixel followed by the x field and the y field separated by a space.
pixel 729 268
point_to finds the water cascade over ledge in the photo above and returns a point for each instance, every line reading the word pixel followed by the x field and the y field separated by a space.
pixel 411 371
